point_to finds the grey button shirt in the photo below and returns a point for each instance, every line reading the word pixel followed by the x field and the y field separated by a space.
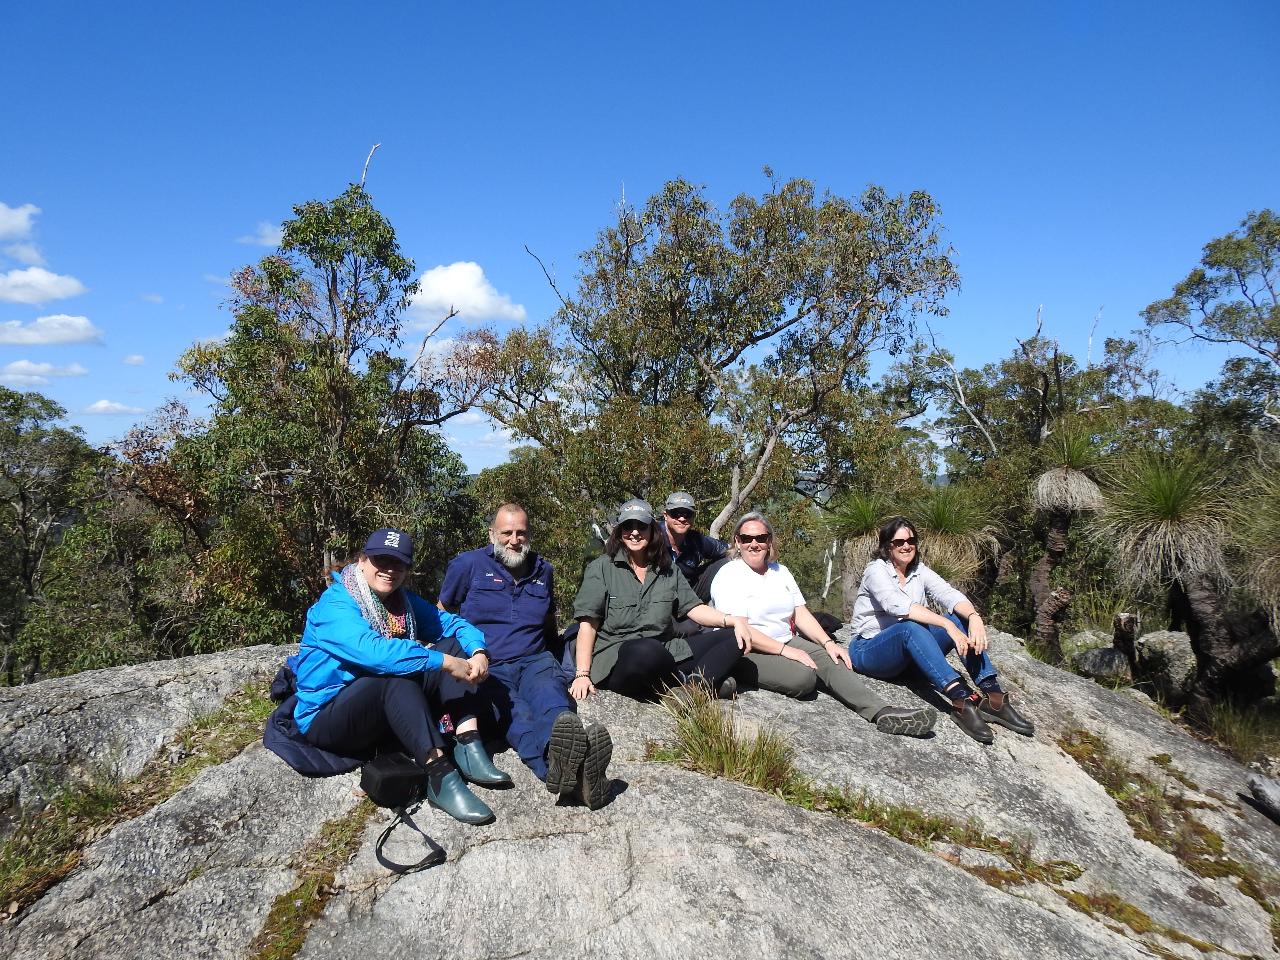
pixel 883 600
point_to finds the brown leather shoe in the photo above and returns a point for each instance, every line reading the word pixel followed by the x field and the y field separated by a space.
pixel 996 708
pixel 965 714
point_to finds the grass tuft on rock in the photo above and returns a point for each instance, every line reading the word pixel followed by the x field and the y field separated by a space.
pixel 1163 816
pixel 707 739
pixel 292 914
pixel 46 846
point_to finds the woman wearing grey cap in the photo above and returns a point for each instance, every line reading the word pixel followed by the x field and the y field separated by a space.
pixel 625 607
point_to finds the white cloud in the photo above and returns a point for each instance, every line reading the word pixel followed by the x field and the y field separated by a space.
pixel 24 373
pixel 266 235
pixel 462 286
pixel 108 407
pixel 27 253
pixel 37 285
pixel 152 298
pixel 469 419
pixel 222 281
pixel 15 222
pixel 45 331
pixel 135 360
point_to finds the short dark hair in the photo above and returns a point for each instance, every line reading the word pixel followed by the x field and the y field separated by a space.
pixel 657 553
pixel 892 526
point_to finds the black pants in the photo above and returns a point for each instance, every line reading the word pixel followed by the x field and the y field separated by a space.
pixel 645 666
pixel 390 713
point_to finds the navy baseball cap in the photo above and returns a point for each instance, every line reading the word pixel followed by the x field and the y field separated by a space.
pixel 389 542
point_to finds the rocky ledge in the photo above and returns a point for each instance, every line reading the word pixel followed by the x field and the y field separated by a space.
pixel 1149 843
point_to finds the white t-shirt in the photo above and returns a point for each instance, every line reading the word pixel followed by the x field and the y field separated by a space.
pixel 768 600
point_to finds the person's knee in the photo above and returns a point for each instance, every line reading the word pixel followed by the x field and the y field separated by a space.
pixel 798 683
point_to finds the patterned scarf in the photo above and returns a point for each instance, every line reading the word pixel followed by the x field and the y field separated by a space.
pixel 379 617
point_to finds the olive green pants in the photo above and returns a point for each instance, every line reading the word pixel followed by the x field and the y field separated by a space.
pixel 783 675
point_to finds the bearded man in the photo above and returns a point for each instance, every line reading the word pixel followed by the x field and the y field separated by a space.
pixel 508 592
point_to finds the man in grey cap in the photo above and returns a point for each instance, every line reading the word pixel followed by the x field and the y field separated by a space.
pixel 691 551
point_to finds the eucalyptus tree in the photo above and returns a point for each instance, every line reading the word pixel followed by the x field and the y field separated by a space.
pixel 322 425
pixel 41 463
pixel 731 340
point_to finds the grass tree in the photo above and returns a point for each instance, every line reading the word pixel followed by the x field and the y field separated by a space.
pixel 1059 495
pixel 1166 521
pixel 856 521
pixel 958 535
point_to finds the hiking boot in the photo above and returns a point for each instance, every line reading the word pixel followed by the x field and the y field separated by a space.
pixel 905 721
pixel 965 714
pixel 475 766
pixel 728 689
pixel 446 791
pixel 996 708
pixel 565 750
pixel 593 787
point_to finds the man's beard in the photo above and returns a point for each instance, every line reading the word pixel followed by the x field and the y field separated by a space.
pixel 513 558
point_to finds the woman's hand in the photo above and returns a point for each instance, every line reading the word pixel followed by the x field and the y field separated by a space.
pixel 977 633
pixel 838 653
pixel 581 688
pixel 742 631
pixel 959 638
pixel 799 656
pixel 480 666
pixel 458 668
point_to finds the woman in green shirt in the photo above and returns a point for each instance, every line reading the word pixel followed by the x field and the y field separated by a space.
pixel 625 607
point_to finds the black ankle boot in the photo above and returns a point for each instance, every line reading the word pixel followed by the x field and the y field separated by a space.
pixel 965 713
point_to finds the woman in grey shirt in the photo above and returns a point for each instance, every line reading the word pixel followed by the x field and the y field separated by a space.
pixel 893 628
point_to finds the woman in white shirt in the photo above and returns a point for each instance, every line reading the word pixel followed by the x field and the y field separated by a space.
pixel 756 586
pixel 893 629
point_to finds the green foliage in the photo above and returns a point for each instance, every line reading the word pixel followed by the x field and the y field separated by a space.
pixel 956 531
pixel 320 432
pixel 719 351
pixel 1164 519
pixel 42 467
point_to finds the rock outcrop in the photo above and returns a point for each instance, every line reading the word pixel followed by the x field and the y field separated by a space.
pixel 679 863
pixel 109 721
pixel 1167 661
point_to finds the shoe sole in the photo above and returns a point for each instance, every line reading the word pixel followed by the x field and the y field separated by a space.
pixel 565 751
pixel 996 718
pixel 595 781
pixel 917 724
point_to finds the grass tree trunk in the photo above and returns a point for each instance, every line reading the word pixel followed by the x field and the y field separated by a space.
pixel 1050 605
pixel 1228 651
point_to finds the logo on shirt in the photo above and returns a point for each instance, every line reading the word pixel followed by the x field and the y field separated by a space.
pixel 498 581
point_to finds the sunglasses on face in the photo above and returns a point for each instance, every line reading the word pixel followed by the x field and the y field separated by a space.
pixel 389 563
pixel 754 537
pixel 904 542
pixel 680 514
pixel 635 526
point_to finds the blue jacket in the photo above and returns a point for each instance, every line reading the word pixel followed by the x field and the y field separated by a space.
pixel 339 645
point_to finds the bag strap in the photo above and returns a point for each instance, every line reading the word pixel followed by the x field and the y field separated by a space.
pixel 432 859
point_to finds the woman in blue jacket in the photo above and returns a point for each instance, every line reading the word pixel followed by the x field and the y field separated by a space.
pixel 378 663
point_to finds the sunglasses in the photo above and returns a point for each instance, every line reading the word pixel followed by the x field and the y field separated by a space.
pixel 388 563
pixel 904 542
pixel 635 526
pixel 680 514
pixel 754 537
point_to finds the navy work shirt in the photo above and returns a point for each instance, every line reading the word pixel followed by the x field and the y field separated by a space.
pixel 517 617
pixel 698 552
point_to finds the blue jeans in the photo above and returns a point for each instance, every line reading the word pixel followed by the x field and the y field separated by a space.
pixel 895 648
pixel 524 696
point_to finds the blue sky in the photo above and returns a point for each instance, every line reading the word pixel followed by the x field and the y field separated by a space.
pixel 1082 154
